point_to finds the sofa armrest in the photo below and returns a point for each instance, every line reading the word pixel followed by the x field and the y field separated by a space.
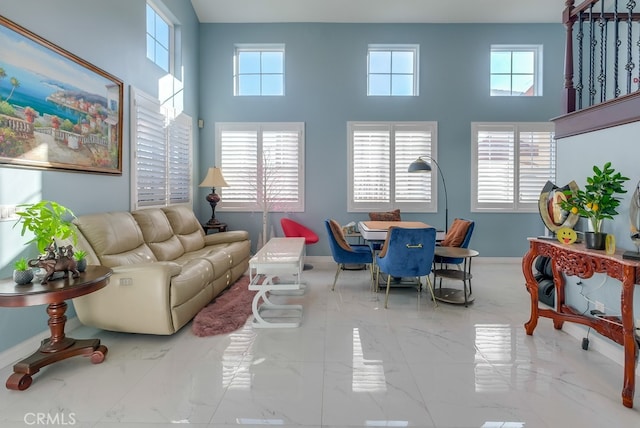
pixel 136 300
pixel 226 237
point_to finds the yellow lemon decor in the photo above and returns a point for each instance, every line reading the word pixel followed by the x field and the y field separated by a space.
pixel 566 235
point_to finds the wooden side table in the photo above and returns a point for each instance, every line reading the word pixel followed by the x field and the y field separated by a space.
pixel 57 347
pixel 218 227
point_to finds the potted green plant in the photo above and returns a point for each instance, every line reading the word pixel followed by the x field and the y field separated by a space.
pixel 48 221
pixel 22 273
pixel 598 201
pixel 81 259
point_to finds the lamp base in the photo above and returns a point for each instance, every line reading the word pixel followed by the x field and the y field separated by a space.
pixel 213 221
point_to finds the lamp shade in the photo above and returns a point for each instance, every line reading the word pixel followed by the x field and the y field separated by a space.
pixel 214 178
pixel 419 165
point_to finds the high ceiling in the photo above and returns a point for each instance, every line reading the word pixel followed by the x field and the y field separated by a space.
pixel 433 11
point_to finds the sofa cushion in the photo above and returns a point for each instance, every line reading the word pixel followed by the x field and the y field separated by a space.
pixel 158 234
pixel 185 226
pixel 116 238
pixel 196 275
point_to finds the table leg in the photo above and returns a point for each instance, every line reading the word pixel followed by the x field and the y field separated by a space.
pixel 56 348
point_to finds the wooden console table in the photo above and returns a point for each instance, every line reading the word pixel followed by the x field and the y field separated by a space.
pixel 576 260
pixel 57 347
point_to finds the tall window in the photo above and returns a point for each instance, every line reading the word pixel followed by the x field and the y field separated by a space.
pixel 511 164
pixel 379 155
pixel 161 154
pixel 258 70
pixel 159 36
pixel 392 70
pixel 263 165
pixel 516 70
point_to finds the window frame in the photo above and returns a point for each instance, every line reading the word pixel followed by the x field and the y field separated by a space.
pixel 252 190
pixel 427 184
pixel 178 167
pixel 159 14
pixel 261 48
pixel 537 50
pixel 413 48
pixel 515 205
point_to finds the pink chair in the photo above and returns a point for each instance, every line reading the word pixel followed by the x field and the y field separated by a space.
pixel 292 229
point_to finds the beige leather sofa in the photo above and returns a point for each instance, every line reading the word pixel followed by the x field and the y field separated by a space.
pixel 165 269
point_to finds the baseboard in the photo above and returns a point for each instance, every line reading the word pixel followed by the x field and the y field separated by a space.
pixel 597 343
pixel 23 349
pixel 479 259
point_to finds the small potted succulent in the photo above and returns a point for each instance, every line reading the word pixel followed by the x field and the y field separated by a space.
pixel 22 273
pixel 598 201
pixel 81 259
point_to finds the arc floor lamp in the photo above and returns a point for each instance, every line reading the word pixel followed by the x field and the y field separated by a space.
pixel 422 166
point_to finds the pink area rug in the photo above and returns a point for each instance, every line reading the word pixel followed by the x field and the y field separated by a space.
pixel 227 312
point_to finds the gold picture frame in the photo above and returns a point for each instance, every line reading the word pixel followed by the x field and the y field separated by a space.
pixel 57 111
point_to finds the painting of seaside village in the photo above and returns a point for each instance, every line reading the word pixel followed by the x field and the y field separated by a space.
pixel 56 110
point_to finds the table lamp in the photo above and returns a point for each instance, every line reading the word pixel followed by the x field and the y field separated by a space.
pixel 420 165
pixel 213 179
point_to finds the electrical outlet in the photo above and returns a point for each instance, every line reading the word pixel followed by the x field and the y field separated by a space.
pixel 600 306
pixel 8 213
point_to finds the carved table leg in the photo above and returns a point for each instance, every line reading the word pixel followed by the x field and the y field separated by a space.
pixel 532 288
pixel 56 348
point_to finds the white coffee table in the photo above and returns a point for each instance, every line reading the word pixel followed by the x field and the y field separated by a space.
pixel 279 257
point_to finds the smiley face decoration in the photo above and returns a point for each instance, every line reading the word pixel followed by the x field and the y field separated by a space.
pixel 566 235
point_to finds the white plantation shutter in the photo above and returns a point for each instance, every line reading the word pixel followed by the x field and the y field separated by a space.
pixel 179 159
pixel 511 164
pixel 410 143
pixel 262 164
pixel 537 164
pixel 379 156
pixel 371 160
pixel 161 154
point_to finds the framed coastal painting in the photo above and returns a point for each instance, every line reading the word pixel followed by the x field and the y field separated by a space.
pixel 57 111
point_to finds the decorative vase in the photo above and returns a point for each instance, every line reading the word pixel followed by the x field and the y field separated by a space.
pixel 23 277
pixel 81 265
pixel 595 240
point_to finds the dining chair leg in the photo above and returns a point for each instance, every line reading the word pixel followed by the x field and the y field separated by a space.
pixel 371 277
pixel 433 296
pixel 386 297
pixel 333 287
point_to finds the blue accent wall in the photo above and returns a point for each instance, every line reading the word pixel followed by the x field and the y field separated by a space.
pixel 325 87
pixel 111 36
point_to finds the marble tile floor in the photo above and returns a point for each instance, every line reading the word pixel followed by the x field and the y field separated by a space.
pixel 351 364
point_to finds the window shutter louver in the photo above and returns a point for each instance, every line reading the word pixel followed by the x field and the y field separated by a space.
pixel 262 163
pixel 512 164
pixel 180 160
pixel 496 156
pixel 371 160
pixel 150 153
pixel 412 187
pixel 161 154
pixel 380 155
pixel 537 164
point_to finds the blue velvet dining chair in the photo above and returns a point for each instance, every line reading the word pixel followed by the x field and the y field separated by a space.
pixel 407 252
pixel 344 253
